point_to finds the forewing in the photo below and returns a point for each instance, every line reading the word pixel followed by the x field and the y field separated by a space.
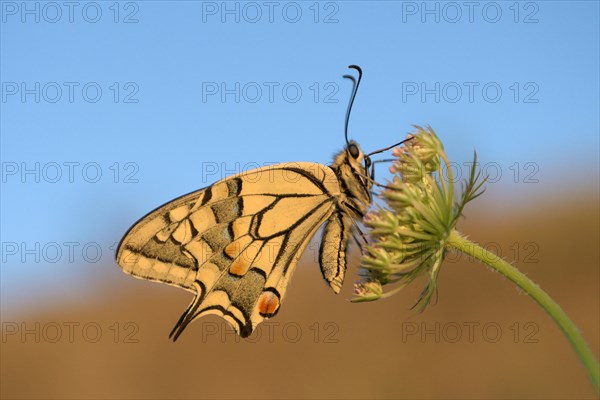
pixel 234 244
pixel 167 244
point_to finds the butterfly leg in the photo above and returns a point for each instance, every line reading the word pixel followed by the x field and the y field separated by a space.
pixel 362 236
pixel 350 208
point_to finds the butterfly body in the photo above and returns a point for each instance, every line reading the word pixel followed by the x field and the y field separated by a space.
pixel 235 244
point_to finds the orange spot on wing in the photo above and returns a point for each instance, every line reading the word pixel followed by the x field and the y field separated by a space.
pixel 240 266
pixel 268 303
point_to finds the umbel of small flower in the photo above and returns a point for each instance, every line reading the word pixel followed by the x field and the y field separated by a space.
pixel 408 235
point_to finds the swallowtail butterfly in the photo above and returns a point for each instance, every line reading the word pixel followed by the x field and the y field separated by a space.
pixel 235 244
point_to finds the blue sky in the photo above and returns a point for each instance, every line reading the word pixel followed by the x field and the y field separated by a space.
pixel 134 91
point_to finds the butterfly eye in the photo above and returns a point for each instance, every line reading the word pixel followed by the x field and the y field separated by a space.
pixel 353 150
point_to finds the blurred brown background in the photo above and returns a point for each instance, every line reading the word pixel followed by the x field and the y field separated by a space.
pixel 483 339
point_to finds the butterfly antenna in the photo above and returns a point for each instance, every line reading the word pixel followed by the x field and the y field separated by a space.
pixel 389 147
pixel 385 160
pixel 355 84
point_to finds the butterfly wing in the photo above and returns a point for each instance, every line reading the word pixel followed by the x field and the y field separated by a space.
pixel 234 244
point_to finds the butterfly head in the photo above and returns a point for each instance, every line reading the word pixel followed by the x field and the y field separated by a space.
pixel 359 160
pixel 353 157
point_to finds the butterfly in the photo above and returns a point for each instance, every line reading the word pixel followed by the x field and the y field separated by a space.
pixel 235 244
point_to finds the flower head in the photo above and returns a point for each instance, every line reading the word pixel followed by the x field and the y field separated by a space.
pixel 409 235
pixel 368 290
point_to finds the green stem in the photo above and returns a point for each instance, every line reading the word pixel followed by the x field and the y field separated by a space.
pixel 461 243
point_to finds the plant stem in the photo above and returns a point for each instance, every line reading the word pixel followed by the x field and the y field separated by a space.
pixel 461 243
